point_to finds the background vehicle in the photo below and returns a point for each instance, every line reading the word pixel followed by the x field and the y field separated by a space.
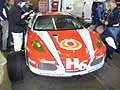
pixel 80 8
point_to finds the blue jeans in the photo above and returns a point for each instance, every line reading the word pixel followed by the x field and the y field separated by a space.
pixel 114 31
pixel 5 28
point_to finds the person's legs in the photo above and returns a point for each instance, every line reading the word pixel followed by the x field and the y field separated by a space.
pixel 114 31
pixel 118 31
pixel 10 40
pixel 16 65
pixel 109 52
pixel 4 34
pixel 18 41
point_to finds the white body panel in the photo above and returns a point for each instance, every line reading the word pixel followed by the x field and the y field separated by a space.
pixel 61 72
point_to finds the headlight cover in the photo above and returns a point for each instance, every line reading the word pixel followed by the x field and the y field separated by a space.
pixel 98 42
pixel 37 45
pixel 97 61
pixel 47 66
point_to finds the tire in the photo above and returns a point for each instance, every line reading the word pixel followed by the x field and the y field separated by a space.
pixel 15 67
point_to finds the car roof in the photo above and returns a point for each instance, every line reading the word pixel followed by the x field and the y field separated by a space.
pixel 52 13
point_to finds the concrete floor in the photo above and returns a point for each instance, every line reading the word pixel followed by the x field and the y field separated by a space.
pixel 107 78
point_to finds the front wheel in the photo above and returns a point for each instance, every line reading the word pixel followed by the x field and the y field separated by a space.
pixel 15 67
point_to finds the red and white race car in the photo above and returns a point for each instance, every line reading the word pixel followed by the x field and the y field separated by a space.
pixel 58 45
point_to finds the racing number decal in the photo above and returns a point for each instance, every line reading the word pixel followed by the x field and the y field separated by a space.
pixel 76 63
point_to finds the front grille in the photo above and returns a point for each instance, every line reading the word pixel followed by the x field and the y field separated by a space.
pixel 97 61
pixel 47 66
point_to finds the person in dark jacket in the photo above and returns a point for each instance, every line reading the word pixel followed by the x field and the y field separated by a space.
pixel 4 24
pixel 113 19
pixel 108 40
pixel 17 26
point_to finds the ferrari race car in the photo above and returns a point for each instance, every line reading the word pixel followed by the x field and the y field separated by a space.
pixel 56 44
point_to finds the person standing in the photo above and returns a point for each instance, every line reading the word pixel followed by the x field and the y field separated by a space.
pixel 4 24
pixel 17 25
pixel 99 14
pixel 113 19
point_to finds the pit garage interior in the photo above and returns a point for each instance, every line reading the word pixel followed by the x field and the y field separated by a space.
pixel 105 78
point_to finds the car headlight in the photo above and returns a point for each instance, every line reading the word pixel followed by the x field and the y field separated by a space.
pixel 97 61
pixel 98 42
pixel 47 66
pixel 37 45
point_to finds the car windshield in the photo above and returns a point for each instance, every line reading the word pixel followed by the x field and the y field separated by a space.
pixel 61 22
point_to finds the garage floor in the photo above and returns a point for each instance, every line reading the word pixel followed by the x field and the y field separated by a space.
pixel 107 78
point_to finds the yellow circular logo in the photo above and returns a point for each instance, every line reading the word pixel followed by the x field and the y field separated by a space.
pixel 70 44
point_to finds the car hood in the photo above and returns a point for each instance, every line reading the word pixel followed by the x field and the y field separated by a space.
pixel 68 48
pixel 68 43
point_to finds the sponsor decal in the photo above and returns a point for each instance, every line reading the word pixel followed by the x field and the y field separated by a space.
pixel 75 64
pixel 69 44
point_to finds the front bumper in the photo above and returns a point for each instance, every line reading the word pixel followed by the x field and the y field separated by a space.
pixel 62 73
